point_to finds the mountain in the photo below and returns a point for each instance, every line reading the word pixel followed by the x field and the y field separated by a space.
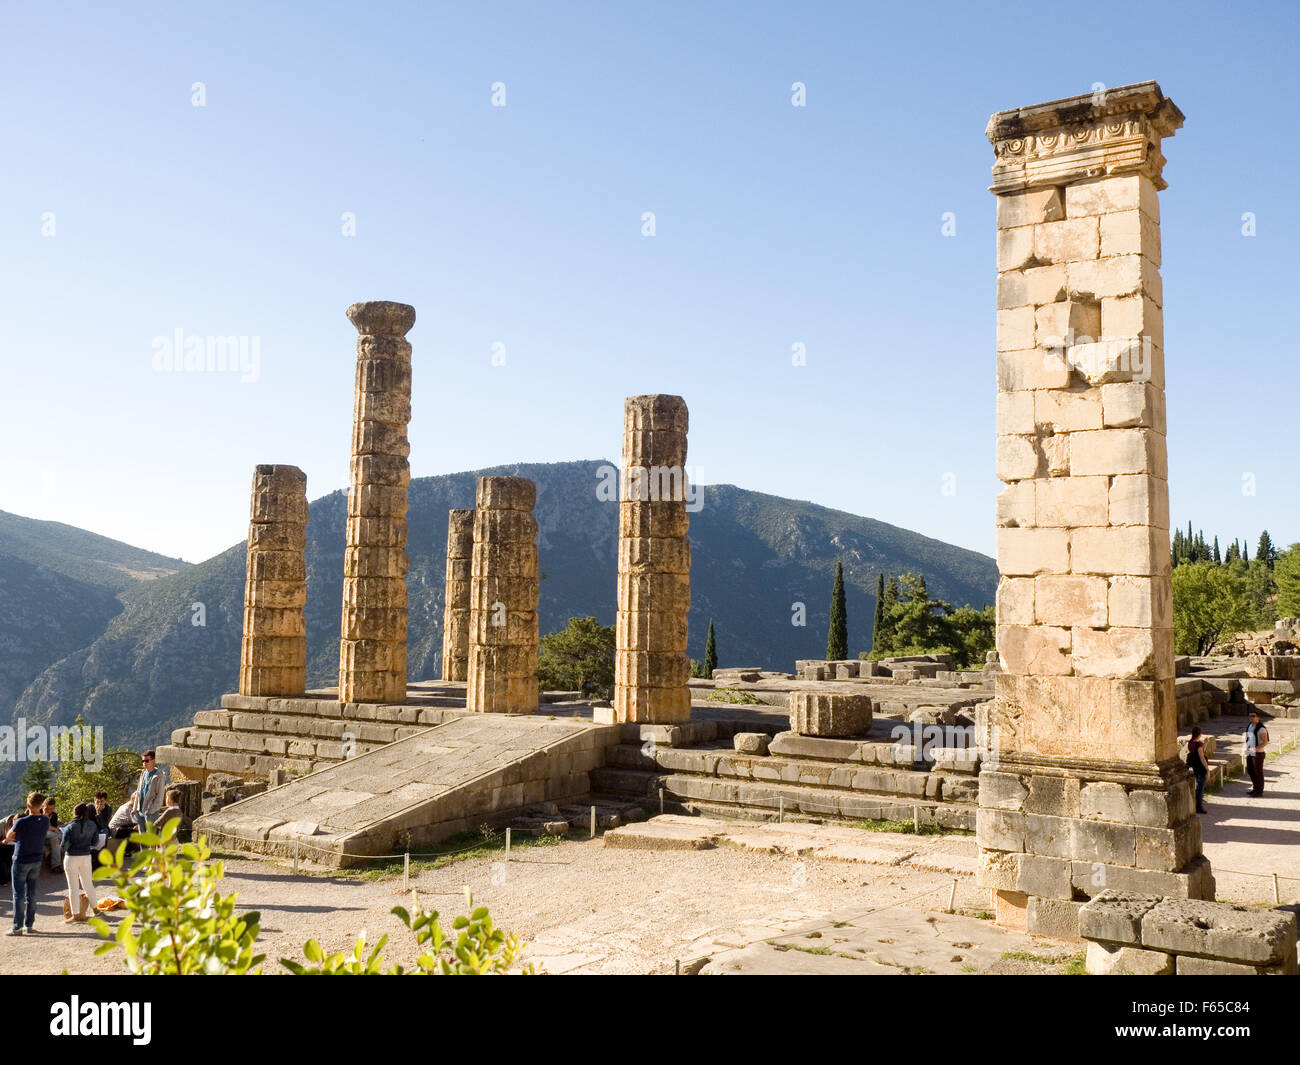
pixel 754 557
pixel 80 555
pixel 59 590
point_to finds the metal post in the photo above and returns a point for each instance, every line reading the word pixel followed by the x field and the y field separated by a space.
pixel 780 809
pixel 593 822
pixel 406 871
pixel 916 820
pixel 661 800
pixel 507 843
pixel 952 897
pixel 1277 898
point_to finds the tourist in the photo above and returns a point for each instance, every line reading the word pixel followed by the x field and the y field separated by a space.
pixel 53 837
pixel 28 832
pixel 173 810
pixel 1256 741
pixel 147 799
pixel 101 811
pixel 79 840
pixel 103 814
pixel 121 824
pixel 1198 764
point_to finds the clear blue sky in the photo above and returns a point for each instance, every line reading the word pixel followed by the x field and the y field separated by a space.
pixel 521 225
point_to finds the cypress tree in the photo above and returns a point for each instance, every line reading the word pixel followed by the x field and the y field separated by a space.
pixel 879 621
pixel 837 638
pixel 1245 552
pixel 1217 557
pixel 1264 551
pixel 710 653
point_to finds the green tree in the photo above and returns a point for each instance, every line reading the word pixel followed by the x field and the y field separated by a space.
pixel 710 653
pixel 878 621
pixel 38 776
pixel 885 638
pixel 1265 552
pixel 837 637
pixel 1286 572
pixel 580 657
pixel 77 781
pixel 976 633
pixel 1210 602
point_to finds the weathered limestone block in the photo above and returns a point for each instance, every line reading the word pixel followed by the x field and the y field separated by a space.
pixel 1203 937
pixel 502 638
pixel 1104 959
pixel 817 714
pixel 456 611
pixel 651 667
pixel 273 653
pixel 372 648
pixel 751 742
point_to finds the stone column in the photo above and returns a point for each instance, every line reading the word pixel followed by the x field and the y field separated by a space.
pixel 455 616
pixel 273 654
pixel 1082 788
pixel 372 650
pixel 503 599
pixel 651 668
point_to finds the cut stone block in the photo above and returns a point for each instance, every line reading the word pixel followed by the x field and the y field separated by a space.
pixel 817 714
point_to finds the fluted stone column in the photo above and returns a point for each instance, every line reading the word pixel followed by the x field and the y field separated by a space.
pixel 273 653
pixel 372 651
pixel 455 617
pixel 651 667
pixel 503 599
pixel 1083 789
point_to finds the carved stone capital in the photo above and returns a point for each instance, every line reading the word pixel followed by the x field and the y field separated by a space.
pixel 1094 135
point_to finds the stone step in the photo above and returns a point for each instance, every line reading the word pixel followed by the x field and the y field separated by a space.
pixel 863 790
pixel 476 769
pixel 900 780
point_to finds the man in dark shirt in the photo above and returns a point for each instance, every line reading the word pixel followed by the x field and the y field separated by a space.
pixel 28 833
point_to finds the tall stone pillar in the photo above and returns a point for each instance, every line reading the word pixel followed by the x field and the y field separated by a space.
pixel 651 668
pixel 372 650
pixel 1083 789
pixel 455 616
pixel 273 654
pixel 503 599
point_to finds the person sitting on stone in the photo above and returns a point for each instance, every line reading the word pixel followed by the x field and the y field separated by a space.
pixel 102 814
pixel 172 811
pixel 121 825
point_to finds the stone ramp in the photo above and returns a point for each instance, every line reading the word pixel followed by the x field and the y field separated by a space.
pixel 476 769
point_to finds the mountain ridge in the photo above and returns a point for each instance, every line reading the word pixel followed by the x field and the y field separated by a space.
pixel 755 558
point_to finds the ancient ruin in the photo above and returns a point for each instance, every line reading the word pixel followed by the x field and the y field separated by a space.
pixel 651 666
pixel 455 616
pixel 372 648
pixel 273 653
pixel 1087 792
pixel 503 637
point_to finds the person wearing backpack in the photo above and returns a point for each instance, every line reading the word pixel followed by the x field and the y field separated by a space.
pixel 79 840
pixel 1198 764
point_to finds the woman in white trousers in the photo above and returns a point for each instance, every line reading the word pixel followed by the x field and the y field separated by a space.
pixel 79 840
